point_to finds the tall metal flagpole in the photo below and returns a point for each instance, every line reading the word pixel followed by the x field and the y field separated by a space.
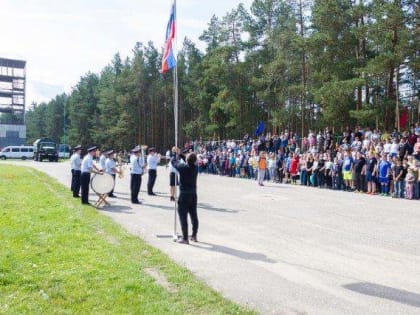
pixel 175 74
pixel 175 88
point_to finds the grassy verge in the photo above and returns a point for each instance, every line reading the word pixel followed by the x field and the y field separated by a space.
pixel 57 257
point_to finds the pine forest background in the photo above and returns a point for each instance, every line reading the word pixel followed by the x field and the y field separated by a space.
pixel 293 64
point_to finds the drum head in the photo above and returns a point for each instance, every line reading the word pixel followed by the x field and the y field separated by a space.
pixel 102 184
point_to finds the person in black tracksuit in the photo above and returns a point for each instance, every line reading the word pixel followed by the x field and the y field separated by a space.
pixel 187 202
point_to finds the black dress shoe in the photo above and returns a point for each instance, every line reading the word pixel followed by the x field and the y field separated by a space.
pixel 112 196
pixel 152 194
pixel 172 198
pixel 76 196
pixel 182 241
pixel 136 202
pixel 194 239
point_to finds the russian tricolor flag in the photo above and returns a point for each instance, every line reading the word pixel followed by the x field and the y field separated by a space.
pixel 168 60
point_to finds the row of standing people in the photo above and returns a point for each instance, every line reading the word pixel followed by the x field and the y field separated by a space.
pixel 182 166
pixel 370 172
pixel 81 169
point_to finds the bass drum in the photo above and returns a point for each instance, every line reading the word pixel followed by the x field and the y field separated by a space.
pixel 102 183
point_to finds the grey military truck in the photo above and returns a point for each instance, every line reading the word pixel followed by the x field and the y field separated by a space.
pixel 45 149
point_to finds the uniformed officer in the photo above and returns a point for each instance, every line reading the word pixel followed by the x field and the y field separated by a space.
pixel 153 160
pixel 187 202
pixel 87 168
pixel 111 169
pixel 76 164
pixel 136 166
pixel 102 160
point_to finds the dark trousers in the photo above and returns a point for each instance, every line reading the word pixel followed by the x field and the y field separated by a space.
pixel 112 191
pixel 151 181
pixel 187 203
pixel 85 180
pixel 135 184
pixel 360 181
pixel 320 178
pixel 75 182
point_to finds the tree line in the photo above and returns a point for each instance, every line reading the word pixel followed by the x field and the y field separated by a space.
pixel 295 64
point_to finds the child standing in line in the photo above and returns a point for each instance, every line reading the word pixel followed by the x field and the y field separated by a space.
pixel 384 169
pixel 348 165
pixel 409 184
pixel 371 171
pixel 328 170
pixel 272 167
pixel 262 167
pixel 334 174
pixel 294 162
pixel 398 175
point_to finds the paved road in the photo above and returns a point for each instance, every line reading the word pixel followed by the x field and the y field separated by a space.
pixel 285 249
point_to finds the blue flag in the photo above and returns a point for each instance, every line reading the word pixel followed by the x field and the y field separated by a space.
pixel 260 128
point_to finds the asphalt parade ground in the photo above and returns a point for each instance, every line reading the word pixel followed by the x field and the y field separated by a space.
pixel 283 249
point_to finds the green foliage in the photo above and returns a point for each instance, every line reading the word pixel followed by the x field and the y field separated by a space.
pixel 299 63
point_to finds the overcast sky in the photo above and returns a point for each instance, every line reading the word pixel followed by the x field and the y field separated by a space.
pixel 62 40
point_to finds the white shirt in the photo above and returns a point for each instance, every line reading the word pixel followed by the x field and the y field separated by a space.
pixel 387 147
pixel 76 162
pixel 153 161
pixel 395 147
pixel 102 161
pixel 87 163
pixel 109 166
pixel 366 143
pixel 136 164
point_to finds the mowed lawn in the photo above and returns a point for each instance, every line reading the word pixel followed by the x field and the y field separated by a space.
pixel 57 257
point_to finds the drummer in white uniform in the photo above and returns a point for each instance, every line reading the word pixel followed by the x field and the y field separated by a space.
pixel 88 167
pixel 111 168
pixel 76 163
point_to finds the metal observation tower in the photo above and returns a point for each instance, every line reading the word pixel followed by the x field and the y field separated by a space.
pixel 12 102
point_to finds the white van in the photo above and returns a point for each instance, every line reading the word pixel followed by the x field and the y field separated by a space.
pixel 17 152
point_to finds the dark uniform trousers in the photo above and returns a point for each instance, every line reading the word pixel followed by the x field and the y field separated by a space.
pixel 75 182
pixel 187 203
pixel 151 181
pixel 135 184
pixel 111 193
pixel 85 180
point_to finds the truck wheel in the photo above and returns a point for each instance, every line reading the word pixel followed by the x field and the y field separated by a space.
pixel 3 157
pixel 24 158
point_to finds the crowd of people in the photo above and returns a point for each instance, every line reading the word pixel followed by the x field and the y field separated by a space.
pixel 359 160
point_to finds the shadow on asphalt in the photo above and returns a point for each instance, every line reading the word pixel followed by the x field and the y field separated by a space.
pixel 206 206
pixel 233 252
pixel 389 293
pixel 202 206
pixel 226 250
pixel 159 207
pixel 116 208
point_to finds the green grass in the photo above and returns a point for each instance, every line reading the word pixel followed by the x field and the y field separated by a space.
pixel 57 257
